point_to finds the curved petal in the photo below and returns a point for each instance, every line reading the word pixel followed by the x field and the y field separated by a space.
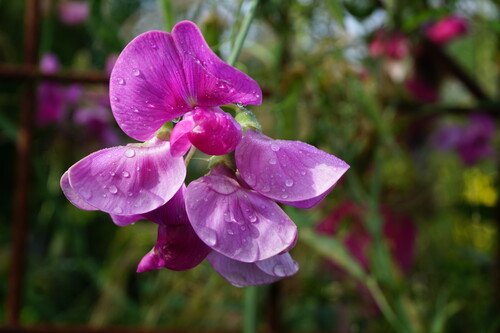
pixel 211 82
pixel 173 212
pixel 178 248
pixel 280 265
pixel 124 220
pixel 236 222
pixel 216 132
pixel 72 195
pixel 242 274
pixel 147 85
pixel 179 139
pixel 291 172
pixel 128 180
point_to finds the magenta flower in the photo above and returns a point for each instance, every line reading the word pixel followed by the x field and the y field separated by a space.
pixel 160 76
pixel 73 12
pixel 472 141
pixel 447 29
pixel 51 95
pixel 398 230
pixel 392 44
pixel 421 90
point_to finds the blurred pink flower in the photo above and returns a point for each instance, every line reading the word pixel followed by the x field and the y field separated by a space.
pixel 73 12
pixel 110 63
pixel 398 230
pixel 472 141
pixel 421 90
pixel 391 44
pixel 50 95
pixel 446 29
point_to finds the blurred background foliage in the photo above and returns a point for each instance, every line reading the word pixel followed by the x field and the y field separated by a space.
pixel 408 241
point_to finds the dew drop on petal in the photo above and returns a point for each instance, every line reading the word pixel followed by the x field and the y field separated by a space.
pixel 227 217
pixel 115 99
pixel 265 189
pixel 272 161
pixel 112 189
pixel 130 194
pixel 125 174
pixel 136 72
pixel 86 194
pixel 279 270
pixel 274 147
pixel 284 196
pixel 303 173
pixel 118 210
pixel 130 153
pixel 120 81
pixel 112 174
pixel 252 218
pixel 208 235
pixel 289 182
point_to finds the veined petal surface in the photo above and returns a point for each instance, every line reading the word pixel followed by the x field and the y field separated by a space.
pixel 237 222
pixel 148 85
pixel 243 274
pixel 128 180
pixel 210 81
pixel 291 172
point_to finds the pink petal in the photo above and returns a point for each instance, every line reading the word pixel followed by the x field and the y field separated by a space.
pixel 128 180
pixel 177 248
pixel 211 82
pixel 124 220
pixel 291 172
pixel 216 132
pixel 237 222
pixel 179 139
pixel 242 274
pixel 72 195
pixel 147 85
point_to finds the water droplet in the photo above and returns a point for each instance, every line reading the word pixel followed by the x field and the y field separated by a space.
pixel 136 72
pixel 130 152
pixel 118 210
pixel 250 179
pixel 243 228
pixel 125 174
pixel 266 189
pixel 130 194
pixel 303 173
pixel 104 195
pixel 112 189
pixel 153 45
pixel 252 218
pixel 289 182
pixel 208 235
pixel 138 169
pixel 274 147
pixel 230 232
pixel 227 217
pixel 284 196
pixel 120 81
pixel 272 161
pixel 136 110
pixel 115 99
pixel 112 174
pixel 279 270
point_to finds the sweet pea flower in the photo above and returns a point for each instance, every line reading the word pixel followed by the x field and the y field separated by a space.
pixel 159 77
pixel 392 44
pixel 472 141
pixel 73 12
pixel 447 29
pixel 51 95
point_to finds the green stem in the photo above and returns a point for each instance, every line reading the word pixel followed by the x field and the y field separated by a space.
pixel 168 14
pixel 250 310
pixel 190 154
pixel 242 34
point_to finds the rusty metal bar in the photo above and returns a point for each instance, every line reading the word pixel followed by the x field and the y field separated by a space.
pixel 29 73
pixel 19 225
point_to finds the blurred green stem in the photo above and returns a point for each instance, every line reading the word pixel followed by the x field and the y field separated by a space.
pixel 168 14
pixel 242 34
pixel 250 310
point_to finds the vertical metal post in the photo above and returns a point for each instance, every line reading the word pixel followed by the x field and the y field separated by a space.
pixel 20 209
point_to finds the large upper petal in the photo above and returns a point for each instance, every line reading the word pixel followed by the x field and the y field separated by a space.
pixel 147 85
pixel 243 274
pixel 237 222
pixel 210 81
pixel 72 195
pixel 128 180
pixel 292 172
